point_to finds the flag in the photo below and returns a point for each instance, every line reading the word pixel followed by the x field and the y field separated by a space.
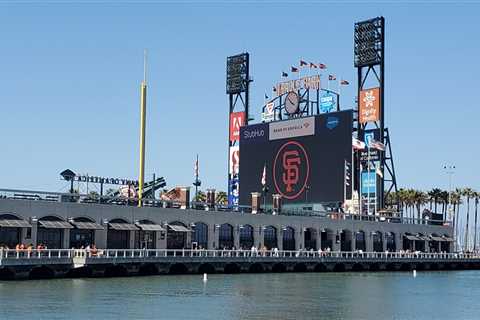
pixel 266 97
pixel 284 74
pixel 357 144
pixel 322 66
pixel 376 145
pixel 331 77
pixel 347 172
pixel 294 69
pixel 344 82
pixel 264 175
pixel 379 172
pixel 303 63
pixel 196 167
pixel 313 65
pixel 274 89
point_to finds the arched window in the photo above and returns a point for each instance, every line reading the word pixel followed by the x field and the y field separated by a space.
pixel 177 235
pixel 11 229
pixel 288 238
pixel 83 234
pixel 51 230
pixel 327 237
pixel 310 239
pixel 360 241
pixel 118 234
pixel 246 237
pixel 391 245
pixel 270 237
pixel 200 235
pixel 377 238
pixel 346 240
pixel 225 237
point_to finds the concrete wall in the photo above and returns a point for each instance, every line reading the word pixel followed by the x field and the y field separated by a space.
pixel 26 209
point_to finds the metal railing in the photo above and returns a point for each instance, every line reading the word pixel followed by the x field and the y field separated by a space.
pixel 247 254
pixel 16 194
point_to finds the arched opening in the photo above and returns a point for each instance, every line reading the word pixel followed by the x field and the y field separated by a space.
pixel 51 230
pixel 445 245
pixel 288 238
pixel 116 271
pixel 118 234
pixel 310 239
pixel 148 269
pixel 377 238
pixel 11 230
pixel 231 268
pixel 177 235
pixel 279 267
pixel 360 241
pixel 345 240
pixel 270 237
pixel 206 268
pixel 146 237
pixel 225 236
pixel 178 268
pixel 327 238
pixel 42 272
pixel 409 242
pixel 300 267
pixel 255 268
pixel 200 236
pixel 390 238
pixel 246 237
pixel 434 243
pixel 83 233
pixel 420 242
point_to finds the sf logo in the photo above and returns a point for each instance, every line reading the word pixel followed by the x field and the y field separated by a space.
pixel 291 170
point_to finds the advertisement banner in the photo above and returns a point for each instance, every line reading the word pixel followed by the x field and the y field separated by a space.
pixel 269 112
pixel 292 128
pixel 368 136
pixel 237 120
pixel 369 182
pixel 369 105
pixel 256 133
pixel 327 103
pixel 234 160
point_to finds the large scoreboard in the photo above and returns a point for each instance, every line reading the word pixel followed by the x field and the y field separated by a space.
pixel 305 158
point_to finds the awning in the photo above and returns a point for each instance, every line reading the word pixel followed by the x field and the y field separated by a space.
pixel 88 225
pixel 55 224
pixel 178 228
pixel 413 238
pixel 420 237
pixel 123 226
pixel 14 224
pixel 435 238
pixel 150 227
pixel 448 239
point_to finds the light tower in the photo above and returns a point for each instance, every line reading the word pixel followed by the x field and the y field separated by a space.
pixel 143 113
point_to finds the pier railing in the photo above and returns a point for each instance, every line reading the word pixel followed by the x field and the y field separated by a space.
pixel 126 254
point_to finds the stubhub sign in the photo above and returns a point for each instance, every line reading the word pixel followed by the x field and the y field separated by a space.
pixel 254 133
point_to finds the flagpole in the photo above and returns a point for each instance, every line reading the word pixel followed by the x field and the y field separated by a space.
pixel 344 181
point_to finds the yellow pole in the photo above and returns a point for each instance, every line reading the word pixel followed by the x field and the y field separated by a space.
pixel 143 112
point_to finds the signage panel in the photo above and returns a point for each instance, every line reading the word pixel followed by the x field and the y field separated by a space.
pixel 369 105
pixel 237 120
pixel 292 128
pixel 369 182
pixel 256 133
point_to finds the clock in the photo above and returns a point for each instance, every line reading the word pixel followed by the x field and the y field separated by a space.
pixel 291 102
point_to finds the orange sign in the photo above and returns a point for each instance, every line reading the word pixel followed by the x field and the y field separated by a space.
pixel 237 120
pixel 369 106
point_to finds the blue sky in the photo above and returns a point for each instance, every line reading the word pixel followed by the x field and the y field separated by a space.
pixel 70 76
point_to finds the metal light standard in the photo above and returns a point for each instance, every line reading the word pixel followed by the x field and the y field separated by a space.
pixel 450 170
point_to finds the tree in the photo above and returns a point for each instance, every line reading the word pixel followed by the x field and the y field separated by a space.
pixel 434 195
pixel 467 192
pixel 476 195
pixel 419 199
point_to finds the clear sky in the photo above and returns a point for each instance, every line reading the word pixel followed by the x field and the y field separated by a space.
pixel 70 77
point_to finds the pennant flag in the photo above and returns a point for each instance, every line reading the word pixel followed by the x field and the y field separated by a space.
pixel 376 145
pixel 303 63
pixel 379 172
pixel 264 175
pixel 313 65
pixel 294 69
pixel 266 97
pixel 332 77
pixel 344 82
pixel 284 74
pixel 357 144
pixel 322 66
pixel 274 89
pixel 347 173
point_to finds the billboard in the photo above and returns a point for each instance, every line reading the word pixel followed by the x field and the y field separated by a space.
pixel 373 154
pixel 304 158
pixel 369 105
pixel 237 120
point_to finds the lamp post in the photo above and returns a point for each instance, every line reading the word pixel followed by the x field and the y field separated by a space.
pixel 449 170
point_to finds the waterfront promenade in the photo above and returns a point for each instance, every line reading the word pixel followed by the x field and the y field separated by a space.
pixel 82 263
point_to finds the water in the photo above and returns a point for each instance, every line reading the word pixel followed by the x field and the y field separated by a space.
pixel 383 295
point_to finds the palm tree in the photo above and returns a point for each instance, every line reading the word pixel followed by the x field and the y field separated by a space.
pixel 467 192
pixel 456 199
pixel 434 195
pixel 477 196
pixel 419 199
